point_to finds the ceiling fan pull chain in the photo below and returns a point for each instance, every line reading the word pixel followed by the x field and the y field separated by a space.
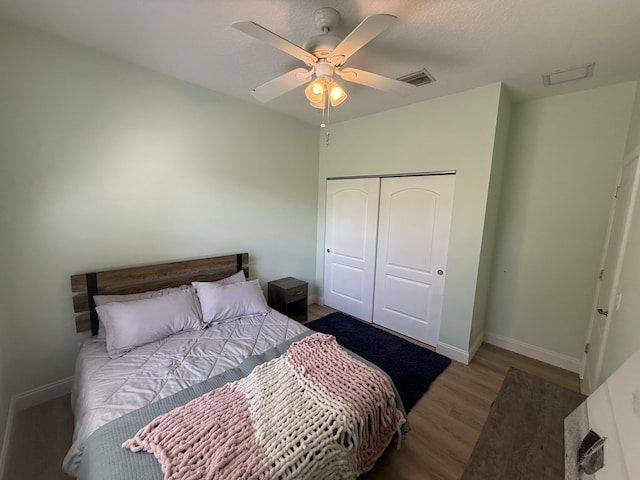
pixel 324 105
pixel 326 133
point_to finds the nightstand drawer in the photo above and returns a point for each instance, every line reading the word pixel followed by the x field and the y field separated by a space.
pixel 297 293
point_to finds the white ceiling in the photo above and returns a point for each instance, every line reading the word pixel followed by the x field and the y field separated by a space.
pixel 462 43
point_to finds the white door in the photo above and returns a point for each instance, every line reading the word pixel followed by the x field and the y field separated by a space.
pixel 605 303
pixel 413 238
pixel 350 245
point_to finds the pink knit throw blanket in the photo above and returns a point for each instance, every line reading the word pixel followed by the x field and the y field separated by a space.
pixel 313 413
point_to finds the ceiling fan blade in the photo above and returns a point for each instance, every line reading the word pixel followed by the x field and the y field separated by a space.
pixel 282 84
pixel 369 28
pixel 376 81
pixel 275 40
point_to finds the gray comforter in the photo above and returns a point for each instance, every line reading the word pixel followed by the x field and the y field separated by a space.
pixel 105 459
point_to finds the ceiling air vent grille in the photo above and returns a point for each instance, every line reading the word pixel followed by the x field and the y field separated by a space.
pixel 421 77
pixel 568 74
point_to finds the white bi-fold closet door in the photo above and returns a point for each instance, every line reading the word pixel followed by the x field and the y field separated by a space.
pixel 386 245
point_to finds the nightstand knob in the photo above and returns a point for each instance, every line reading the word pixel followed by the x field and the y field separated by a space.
pixel 328 251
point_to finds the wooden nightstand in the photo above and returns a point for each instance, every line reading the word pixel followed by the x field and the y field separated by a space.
pixel 289 296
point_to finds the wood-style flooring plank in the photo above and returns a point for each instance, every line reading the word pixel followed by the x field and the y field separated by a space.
pixel 445 423
pixel 41 438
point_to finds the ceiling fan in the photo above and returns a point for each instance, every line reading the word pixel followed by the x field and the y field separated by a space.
pixel 325 55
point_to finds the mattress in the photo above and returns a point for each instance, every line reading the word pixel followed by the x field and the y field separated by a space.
pixel 105 389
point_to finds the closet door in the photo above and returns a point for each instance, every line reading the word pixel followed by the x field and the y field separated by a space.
pixel 350 245
pixel 413 238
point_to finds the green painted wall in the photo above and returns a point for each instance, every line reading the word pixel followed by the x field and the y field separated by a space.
pixel 106 164
pixel 491 219
pixel 451 133
pixel 4 393
pixel 563 158
pixel 5 397
pixel 624 330
pixel 633 139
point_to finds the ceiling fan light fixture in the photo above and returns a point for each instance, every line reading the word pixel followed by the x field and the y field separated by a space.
pixel 336 94
pixel 315 92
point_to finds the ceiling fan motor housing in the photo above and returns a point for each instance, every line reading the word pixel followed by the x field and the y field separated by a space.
pixel 323 44
pixel 324 69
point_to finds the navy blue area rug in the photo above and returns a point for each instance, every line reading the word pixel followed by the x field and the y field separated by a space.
pixel 411 367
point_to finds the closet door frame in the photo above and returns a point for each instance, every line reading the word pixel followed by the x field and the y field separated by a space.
pixel 350 303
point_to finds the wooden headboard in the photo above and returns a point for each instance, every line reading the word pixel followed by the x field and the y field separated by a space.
pixel 146 278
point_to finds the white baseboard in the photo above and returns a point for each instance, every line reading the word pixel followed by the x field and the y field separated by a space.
pixel 25 400
pixel 475 345
pixel 8 433
pixel 454 353
pixel 39 395
pixel 547 356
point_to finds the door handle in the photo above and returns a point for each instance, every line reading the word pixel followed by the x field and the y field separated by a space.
pixel 603 312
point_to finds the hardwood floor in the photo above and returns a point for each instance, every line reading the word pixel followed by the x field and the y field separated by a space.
pixel 445 423
pixel 41 438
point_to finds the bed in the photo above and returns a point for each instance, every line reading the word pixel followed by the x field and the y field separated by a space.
pixel 167 338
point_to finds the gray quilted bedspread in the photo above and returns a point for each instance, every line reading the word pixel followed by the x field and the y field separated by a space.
pixel 105 459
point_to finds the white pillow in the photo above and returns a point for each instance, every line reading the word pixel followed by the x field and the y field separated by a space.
pixel 104 299
pixel 137 322
pixel 228 302
pixel 237 277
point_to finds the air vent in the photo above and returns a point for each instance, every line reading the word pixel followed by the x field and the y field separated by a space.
pixel 421 77
pixel 568 74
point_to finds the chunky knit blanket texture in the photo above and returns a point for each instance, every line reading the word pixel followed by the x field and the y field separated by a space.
pixel 313 413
